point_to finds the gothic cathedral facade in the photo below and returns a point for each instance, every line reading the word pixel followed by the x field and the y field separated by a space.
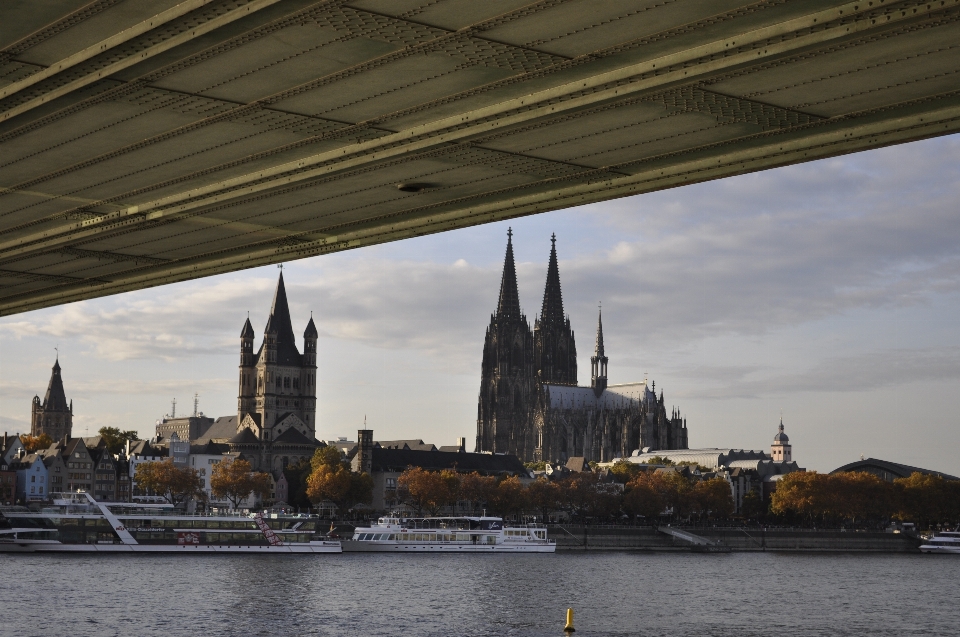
pixel 530 404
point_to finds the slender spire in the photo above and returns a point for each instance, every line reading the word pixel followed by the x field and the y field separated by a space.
pixel 279 323
pixel 552 311
pixel 55 399
pixel 509 306
pixel 598 350
pixel 247 331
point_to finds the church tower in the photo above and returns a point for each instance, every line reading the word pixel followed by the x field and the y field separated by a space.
pixel 507 381
pixel 598 362
pixel 53 416
pixel 247 394
pixel 781 450
pixel 284 393
pixel 555 350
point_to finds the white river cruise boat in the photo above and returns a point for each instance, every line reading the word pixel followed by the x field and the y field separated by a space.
pixel 945 542
pixel 448 535
pixel 77 523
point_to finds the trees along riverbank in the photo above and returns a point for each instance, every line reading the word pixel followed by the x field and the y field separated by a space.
pixel 864 499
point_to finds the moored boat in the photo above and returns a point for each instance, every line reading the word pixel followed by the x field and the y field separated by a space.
pixel 393 534
pixel 943 542
pixel 77 523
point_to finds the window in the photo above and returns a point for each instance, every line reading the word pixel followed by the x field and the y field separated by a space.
pixel 286 382
pixel 296 383
pixel 279 382
pixel 33 478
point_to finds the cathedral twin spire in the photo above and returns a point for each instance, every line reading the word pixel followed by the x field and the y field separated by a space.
pixel 554 351
pixel 509 306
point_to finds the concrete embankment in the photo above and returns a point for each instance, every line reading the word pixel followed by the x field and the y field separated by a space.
pixel 611 538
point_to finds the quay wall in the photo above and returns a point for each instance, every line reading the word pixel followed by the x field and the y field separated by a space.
pixel 611 538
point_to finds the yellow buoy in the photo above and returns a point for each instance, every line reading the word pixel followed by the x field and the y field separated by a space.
pixel 569 627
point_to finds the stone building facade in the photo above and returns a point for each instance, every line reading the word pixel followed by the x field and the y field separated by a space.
pixel 53 416
pixel 530 404
pixel 277 391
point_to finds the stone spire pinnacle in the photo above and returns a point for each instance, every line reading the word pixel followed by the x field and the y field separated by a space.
pixel 509 306
pixel 552 311
pixel 598 350
pixel 55 399
pixel 598 362
pixel 280 325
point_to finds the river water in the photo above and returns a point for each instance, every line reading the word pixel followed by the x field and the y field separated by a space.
pixel 613 594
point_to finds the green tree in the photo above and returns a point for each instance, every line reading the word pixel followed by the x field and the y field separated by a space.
pixel 115 439
pixel 544 497
pixel 175 484
pixel 477 489
pixel 430 490
pixel 643 496
pixel 625 471
pixel 235 480
pixel 509 497
pixel 753 506
pixel 332 480
pixel 713 498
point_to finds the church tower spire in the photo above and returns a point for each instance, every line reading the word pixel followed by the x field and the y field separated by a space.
pixel 507 381
pixel 551 313
pixel 556 351
pixel 509 306
pixel 598 362
pixel 53 416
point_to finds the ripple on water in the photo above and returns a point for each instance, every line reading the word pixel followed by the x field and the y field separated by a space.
pixel 650 594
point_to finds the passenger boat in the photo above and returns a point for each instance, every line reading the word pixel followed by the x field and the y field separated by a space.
pixel 77 523
pixel 448 535
pixel 944 542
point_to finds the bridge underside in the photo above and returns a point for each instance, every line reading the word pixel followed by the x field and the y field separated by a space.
pixel 149 141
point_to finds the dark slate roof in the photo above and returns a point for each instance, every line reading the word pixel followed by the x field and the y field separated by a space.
pixel 244 437
pixel 55 399
pixel 209 448
pixel 451 449
pixel 279 324
pixel 293 437
pixel 95 442
pixel 223 428
pixel 873 465
pixel 578 464
pixel 143 448
pixel 311 331
pixel 247 331
pixel 400 459
pixel 417 444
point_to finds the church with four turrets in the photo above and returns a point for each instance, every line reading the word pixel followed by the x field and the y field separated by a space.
pixel 530 403
pixel 277 395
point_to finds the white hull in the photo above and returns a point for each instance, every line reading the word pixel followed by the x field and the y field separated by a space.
pixel 27 546
pixel 352 546
pixel 949 550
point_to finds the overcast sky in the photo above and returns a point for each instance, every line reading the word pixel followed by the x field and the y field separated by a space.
pixel 827 290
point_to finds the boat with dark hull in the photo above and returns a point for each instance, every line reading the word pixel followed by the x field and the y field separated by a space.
pixel 77 523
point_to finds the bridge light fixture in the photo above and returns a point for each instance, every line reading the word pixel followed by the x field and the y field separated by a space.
pixel 412 187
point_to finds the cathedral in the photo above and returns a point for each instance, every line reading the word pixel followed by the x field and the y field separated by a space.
pixel 530 404
pixel 277 397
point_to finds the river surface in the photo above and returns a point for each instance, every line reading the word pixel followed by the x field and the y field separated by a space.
pixel 613 594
